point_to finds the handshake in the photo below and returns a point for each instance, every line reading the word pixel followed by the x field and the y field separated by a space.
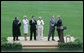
pixel 52 24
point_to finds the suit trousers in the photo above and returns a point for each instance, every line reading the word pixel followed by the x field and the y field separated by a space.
pixel 31 33
pixel 51 33
pixel 60 34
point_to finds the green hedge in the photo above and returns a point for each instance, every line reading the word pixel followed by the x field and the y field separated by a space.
pixel 10 46
pixel 3 39
pixel 77 44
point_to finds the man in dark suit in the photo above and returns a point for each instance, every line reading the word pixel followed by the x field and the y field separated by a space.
pixel 16 29
pixel 60 29
pixel 33 24
pixel 52 28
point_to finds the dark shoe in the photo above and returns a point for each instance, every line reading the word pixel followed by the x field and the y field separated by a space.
pixel 17 39
pixel 48 40
pixel 34 39
pixel 58 41
pixel 13 40
pixel 53 40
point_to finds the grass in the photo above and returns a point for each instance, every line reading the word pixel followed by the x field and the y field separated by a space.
pixel 71 13
pixel 42 51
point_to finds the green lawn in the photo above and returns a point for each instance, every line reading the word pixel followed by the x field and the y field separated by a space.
pixel 71 13
pixel 42 51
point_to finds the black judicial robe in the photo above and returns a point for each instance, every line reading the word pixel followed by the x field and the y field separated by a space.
pixel 16 28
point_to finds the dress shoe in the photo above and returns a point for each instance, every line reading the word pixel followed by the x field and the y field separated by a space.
pixel 53 40
pixel 17 39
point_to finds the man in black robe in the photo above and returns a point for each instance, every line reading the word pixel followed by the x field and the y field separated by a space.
pixel 33 24
pixel 16 29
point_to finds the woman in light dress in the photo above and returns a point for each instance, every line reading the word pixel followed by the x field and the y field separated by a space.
pixel 25 22
pixel 40 24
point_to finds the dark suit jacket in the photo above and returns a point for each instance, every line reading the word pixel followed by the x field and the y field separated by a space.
pixel 59 24
pixel 52 28
pixel 32 25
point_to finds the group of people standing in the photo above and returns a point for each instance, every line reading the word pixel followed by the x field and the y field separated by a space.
pixel 39 23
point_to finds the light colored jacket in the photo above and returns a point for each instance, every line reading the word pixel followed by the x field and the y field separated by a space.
pixel 40 24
